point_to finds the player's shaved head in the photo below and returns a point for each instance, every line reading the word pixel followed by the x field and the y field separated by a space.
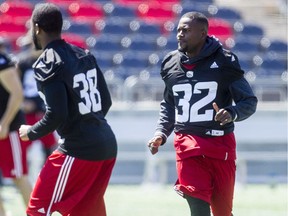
pixel 197 17
pixel 48 17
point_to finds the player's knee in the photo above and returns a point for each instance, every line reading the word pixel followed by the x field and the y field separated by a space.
pixel 198 207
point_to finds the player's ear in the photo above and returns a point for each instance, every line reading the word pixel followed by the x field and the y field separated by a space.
pixel 36 28
pixel 204 33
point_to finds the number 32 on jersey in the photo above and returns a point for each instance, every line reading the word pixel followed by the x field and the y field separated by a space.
pixel 91 100
pixel 190 108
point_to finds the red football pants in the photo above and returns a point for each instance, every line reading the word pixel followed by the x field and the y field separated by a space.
pixel 211 180
pixel 71 186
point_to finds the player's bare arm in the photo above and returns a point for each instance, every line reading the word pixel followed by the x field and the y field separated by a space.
pixel 12 84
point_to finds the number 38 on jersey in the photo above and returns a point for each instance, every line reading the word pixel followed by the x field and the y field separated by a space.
pixel 91 100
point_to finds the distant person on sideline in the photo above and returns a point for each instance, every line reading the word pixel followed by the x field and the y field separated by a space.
pixel 202 80
pixel 74 178
pixel 13 151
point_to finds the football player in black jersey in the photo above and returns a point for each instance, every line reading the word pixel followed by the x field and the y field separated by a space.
pixel 75 176
pixel 13 151
pixel 205 93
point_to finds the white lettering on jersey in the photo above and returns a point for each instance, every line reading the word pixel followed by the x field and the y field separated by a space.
pixel 190 108
pixel 91 100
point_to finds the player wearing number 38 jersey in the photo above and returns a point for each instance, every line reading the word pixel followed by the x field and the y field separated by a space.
pixel 205 92
pixel 75 176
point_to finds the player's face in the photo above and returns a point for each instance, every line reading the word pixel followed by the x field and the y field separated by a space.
pixel 190 35
pixel 36 42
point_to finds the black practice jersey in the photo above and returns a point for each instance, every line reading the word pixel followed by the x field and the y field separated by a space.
pixel 5 62
pixel 192 85
pixel 77 100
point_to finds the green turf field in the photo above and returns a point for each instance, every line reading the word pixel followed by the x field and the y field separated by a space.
pixel 251 200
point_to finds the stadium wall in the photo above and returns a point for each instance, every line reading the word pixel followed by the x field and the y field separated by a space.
pixel 261 143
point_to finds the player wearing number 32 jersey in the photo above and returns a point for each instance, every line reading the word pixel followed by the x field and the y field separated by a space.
pixel 75 176
pixel 205 92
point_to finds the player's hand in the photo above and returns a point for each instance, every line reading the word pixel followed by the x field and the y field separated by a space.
pixel 222 115
pixel 23 132
pixel 154 144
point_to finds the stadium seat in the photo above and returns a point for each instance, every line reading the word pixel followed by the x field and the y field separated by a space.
pixel 12 29
pixel 131 59
pixel 86 11
pixel 220 28
pixel 104 61
pixel 155 14
pixel 148 31
pixel 117 11
pixel 248 48
pixel 198 5
pixel 16 11
pixel 76 27
pixel 278 47
pixel 249 31
pixel 104 44
pixel 167 2
pixel 166 43
pixel 266 66
pixel 227 14
pixel 129 63
pixel 75 39
pixel 155 60
pixel 142 45
pixel 66 3
pixel 190 6
pixel 115 29
pixel 129 3
pixel 274 64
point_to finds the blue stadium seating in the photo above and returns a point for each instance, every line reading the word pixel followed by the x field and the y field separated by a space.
pixel 147 29
pixel 228 14
pixel 114 29
pixel 142 45
pixel 117 28
pixel 82 28
pixel 117 11
pixel 106 45
pixel 246 47
pixel 251 32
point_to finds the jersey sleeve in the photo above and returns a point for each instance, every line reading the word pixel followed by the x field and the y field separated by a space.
pixel 231 66
pixel 166 121
pixel 47 66
pixel 56 110
pixel 241 91
pixel 244 98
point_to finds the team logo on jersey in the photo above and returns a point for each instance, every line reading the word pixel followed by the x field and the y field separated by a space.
pixel 189 74
pixel 214 65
